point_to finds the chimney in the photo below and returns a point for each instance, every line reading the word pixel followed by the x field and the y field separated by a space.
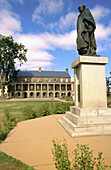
pixel 40 69
pixel 67 70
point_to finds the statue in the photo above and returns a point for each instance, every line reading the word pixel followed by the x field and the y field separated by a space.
pixel 86 44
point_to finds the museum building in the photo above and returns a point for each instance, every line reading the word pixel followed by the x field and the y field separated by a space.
pixel 41 84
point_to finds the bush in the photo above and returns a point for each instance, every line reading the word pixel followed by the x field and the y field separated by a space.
pixel 9 121
pixel 29 113
pixel 44 110
pixel 82 157
pixel 61 155
pixel 61 108
pixel 3 132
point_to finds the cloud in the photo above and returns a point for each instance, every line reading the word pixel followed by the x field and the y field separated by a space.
pixel 9 23
pixel 65 22
pixel 4 4
pixel 46 8
pixel 40 47
pixel 100 12
pixel 102 32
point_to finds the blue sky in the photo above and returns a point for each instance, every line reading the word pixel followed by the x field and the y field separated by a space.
pixel 48 30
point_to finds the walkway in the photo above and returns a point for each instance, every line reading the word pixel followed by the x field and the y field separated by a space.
pixel 31 142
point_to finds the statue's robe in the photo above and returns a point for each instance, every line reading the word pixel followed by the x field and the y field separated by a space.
pixel 85 26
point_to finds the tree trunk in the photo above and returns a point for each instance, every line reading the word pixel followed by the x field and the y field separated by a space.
pixel 0 78
pixel 3 83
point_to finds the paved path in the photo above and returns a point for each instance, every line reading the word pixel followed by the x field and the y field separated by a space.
pixel 33 99
pixel 31 142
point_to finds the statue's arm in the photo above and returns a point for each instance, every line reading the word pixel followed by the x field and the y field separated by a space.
pixel 88 26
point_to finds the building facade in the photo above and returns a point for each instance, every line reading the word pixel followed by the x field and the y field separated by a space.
pixel 41 84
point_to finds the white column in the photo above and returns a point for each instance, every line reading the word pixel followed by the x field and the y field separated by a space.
pixel 53 87
pixel 15 87
pixel 21 87
pixel 34 87
pixel 66 87
pixel 47 87
pixel 60 87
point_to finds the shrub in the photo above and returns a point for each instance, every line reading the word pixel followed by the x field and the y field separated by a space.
pixel 29 113
pixel 61 108
pixel 3 133
pixel 61 155
pixel 9 121
pixel 82 157
pixel 46 109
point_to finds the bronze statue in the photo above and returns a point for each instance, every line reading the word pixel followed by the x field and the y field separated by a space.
pixel 86 44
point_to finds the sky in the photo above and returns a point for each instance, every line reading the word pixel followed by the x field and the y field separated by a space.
pixel 47 28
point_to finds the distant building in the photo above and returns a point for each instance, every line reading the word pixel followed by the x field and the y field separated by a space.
pixel 73 92
pixel 72 86
pixel 41 84
pixel 5 92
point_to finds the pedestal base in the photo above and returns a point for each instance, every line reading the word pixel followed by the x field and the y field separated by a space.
pixel 87 122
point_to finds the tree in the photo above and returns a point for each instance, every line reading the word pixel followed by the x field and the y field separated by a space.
pixel 108 84
pixel 10 52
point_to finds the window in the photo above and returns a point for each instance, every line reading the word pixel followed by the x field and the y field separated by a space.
pixel 31 87
pixel 66 80
pixel 61 80
pixel 25 79
pixel 37 87
pixel 31 80
pixel 19 87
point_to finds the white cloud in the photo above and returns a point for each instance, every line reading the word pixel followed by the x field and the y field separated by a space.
pixel 38 46
pixel 65 22
pixel 100 12
pixel 102 32
pixel 47 7
pixel 5 4
pixel 9 23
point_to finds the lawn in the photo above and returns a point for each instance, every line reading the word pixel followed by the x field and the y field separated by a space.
pixel 109 98
pixel 10 163
pixel 16 107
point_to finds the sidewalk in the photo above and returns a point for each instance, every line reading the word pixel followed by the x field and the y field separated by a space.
pixel 31 142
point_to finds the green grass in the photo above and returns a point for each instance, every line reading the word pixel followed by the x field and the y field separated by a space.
pixel 109 98
pixel 10 163
pixel 16 107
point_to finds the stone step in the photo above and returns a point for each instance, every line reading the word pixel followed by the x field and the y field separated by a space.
pixel 90 112
pixel 85 130
pixel 88 120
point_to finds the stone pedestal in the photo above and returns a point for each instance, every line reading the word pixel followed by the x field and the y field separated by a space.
pixel 90 115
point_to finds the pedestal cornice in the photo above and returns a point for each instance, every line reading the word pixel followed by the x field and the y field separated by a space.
pixel 89 60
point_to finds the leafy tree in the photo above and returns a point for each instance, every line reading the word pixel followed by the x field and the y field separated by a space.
pixel 10 52
pixel 108 84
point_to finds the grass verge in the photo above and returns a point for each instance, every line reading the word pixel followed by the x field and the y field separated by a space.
pixel 17 107
pixel 10 163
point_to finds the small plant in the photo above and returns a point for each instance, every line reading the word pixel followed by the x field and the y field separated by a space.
pixel 61 155
pixel 29 113
pixel 82 157
pixel 9 121
pixel 44 109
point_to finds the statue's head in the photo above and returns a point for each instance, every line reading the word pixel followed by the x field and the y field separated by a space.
pixel 81 8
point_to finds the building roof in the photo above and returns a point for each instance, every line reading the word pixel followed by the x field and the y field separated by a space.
pixel 59 74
